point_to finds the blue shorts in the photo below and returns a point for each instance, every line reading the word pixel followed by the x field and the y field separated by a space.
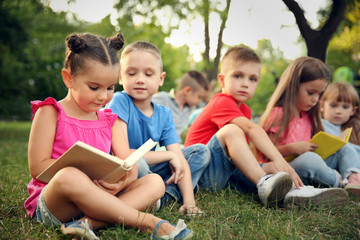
pixel 222 172
pixel 43 214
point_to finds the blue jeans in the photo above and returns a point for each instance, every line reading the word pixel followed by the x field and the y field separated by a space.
pixel 346 161
pixel 313 170
pixel 222 172
pixel 197 156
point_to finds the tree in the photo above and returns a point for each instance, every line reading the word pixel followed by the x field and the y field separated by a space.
pixel 168 15
pixel 317 40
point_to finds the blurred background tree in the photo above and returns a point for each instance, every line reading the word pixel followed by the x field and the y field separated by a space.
pixel 32 45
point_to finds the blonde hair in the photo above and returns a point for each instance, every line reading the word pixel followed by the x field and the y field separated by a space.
pixel 345 92
pixel 301 70
pixel 143 46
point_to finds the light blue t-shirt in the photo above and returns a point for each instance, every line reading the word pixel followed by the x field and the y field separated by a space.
pixel 336 130
pixel 160 127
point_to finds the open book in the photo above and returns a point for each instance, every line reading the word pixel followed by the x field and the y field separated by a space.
pixel 95 163
pixel 328 143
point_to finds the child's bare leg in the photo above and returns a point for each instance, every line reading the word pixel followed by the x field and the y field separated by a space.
pixel 269 168
pixel 233 141
pixel 71 192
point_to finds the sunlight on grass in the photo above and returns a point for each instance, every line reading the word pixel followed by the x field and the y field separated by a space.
pixel 229 214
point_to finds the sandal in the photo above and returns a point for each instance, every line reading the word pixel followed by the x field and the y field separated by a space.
pixel 180 231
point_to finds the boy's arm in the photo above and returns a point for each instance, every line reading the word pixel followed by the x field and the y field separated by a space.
pixel 185 184
pixel 261 141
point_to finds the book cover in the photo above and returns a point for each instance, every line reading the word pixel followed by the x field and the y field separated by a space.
pixel 328 143
pixel 95 163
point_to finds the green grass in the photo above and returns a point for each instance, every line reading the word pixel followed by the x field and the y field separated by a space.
pixel 229 214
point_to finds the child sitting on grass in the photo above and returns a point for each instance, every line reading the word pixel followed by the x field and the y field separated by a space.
pixel 71 199
pixel 192 88
pixel 141 76
pixel 339 107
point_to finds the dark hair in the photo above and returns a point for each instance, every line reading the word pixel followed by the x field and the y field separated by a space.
pixel 83 47
pixel 195 80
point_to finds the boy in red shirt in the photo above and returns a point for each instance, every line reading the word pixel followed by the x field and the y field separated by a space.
pixel 225 126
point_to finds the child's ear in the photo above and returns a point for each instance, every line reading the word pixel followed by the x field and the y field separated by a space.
pixel 187 90
pixel 220 78
pixel 355 109
pixel 66 76
pixel 162 78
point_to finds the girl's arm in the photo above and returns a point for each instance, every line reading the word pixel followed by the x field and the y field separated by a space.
pixel 261 141
pixel 297 148
pixel 120 148
pixel 42 135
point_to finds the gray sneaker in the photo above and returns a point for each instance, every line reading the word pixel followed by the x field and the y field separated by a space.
pixel 273 188
pixel 309 196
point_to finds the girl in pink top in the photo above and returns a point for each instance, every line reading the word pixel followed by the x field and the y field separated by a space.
pixel 90 74
pixel 292 116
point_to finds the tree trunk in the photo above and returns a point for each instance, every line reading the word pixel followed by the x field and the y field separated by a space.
pixel 317 40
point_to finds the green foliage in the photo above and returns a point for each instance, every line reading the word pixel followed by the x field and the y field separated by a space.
pixel 229 214
pixel 344 47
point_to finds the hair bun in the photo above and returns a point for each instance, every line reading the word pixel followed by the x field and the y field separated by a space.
pixel 75 43
pixel 116 42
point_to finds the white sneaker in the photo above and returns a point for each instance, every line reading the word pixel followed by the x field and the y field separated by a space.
pixel 273 188
pixel 310 196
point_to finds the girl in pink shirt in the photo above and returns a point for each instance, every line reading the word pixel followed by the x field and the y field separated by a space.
pixel 90 74
pixel 292 116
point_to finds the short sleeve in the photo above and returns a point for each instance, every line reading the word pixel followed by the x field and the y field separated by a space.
pixel 35 105
pixel 120 105
pixel 109 116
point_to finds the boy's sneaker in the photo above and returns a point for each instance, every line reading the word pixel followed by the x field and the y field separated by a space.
pixel 353 184
pixel 273 188
pixel 310 196
pixel 180 231
pixel 79 229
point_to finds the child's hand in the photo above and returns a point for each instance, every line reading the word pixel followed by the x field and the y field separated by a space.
pixel 191 210
pixel 302 147
pixel 115 188
pixel 177 170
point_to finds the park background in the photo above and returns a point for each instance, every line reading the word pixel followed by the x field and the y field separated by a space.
pixel 32 47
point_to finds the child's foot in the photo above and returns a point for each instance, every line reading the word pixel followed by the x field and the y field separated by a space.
pixel 273 188
pixel 180 231
pixel 310 196
pixel 353 184
pixel 79 229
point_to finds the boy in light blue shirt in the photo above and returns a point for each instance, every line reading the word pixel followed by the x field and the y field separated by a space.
pixel 141 76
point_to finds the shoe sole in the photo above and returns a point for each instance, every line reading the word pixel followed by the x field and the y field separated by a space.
pixel 353 189
pixel 281 186
pixel 334 197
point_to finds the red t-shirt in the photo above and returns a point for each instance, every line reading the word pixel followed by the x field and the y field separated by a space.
pixel 221 109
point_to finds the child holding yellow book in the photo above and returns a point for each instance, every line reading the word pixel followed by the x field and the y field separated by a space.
pixel 292 117
pixel 339 106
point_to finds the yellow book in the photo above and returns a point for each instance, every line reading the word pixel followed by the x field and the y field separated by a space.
pixel 95 163
pixel 328 143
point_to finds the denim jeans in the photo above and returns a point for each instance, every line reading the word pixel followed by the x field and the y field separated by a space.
pixel 197 156
pixel 346 161
pixel 222 172
pixel 313 170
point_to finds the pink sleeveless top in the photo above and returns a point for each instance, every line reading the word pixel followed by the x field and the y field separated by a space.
pixel 68 131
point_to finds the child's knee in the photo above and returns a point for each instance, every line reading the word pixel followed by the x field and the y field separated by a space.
pixel 230 130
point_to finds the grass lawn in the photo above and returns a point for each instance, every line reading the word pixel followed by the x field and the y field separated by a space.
pixel 229 214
